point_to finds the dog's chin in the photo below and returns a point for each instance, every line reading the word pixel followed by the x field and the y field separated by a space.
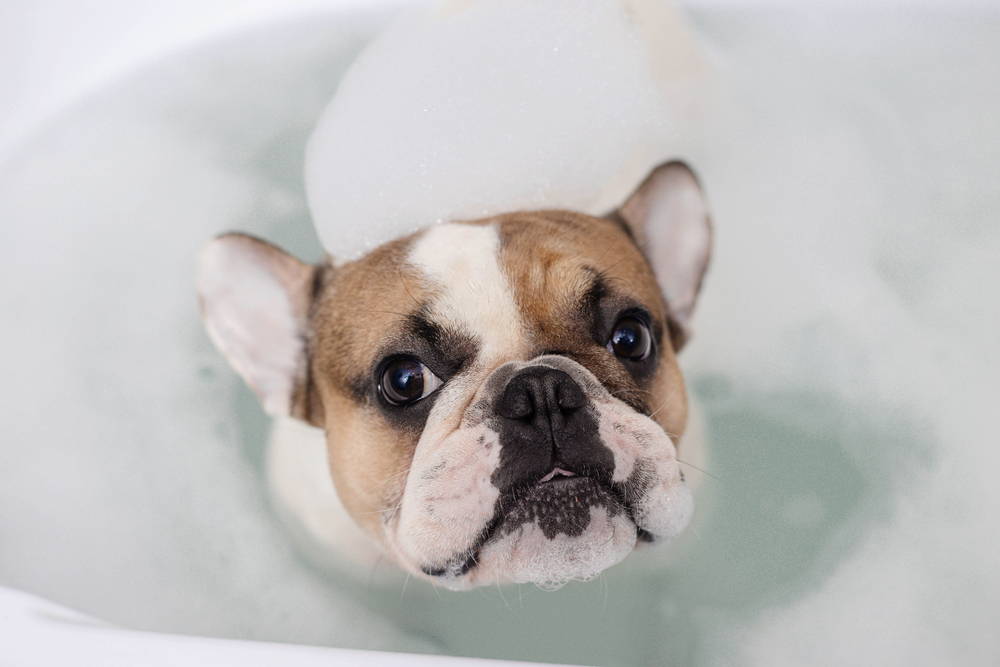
pixel 566 529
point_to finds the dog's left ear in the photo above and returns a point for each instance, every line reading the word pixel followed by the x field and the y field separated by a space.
pixel 668 216
pixel 255 301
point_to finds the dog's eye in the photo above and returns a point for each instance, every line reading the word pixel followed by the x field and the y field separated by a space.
pixel 404 380
pixel 630 339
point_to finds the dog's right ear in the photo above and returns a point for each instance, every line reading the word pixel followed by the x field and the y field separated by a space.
pixel 255 301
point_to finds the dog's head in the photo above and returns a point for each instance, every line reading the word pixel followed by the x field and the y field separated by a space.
pixel 501 398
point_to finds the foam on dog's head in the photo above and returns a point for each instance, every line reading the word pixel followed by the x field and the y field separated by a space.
pixel 479 107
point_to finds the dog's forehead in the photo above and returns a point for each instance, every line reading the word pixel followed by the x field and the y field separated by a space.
pixel 507 279
pixel 554 259
pixel 472 293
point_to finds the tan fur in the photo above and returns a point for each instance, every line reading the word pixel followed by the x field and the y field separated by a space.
pixel 549 258
pixel 354 311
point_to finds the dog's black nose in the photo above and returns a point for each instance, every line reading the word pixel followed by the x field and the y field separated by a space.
pixel 540 396
pixel 546 423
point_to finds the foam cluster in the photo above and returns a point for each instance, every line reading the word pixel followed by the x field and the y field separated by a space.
pixel 475 107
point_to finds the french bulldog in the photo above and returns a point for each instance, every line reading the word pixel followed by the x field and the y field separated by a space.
pixel 500 398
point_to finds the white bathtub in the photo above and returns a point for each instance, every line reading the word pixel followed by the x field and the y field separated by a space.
pixel 845 353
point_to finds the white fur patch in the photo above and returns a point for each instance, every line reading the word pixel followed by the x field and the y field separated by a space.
pixel 448 498
pixel 463 261
pixel 645 456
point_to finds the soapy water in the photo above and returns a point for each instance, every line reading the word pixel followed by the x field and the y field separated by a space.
pixel 844 351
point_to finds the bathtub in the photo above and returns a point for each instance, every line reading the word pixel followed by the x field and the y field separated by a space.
pixel 844 354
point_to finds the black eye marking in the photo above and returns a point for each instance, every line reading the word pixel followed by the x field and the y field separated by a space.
pixel 590 304
pixel 420 324
pixel 403 380
pixel 447 350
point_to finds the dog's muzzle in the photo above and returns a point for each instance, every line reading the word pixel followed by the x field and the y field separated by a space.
pixel 546 425
pixel 548 478
pixel 553 467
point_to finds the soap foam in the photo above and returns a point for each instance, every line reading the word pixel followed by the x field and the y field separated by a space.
pixel 472 109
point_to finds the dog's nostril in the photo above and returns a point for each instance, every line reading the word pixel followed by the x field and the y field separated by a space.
pixel 518 406
pixel 517 400
pixel 540 391
pixel 569 395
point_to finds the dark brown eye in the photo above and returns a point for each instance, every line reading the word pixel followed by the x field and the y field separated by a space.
pixel 630 339
pixel 404 380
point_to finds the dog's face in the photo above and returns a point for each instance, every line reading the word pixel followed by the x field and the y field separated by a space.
pixel 501 398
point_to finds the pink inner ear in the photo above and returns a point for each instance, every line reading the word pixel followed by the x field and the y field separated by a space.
pixel 669 215
pixel 251 305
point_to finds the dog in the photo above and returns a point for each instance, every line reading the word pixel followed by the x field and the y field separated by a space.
pixel 500 398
